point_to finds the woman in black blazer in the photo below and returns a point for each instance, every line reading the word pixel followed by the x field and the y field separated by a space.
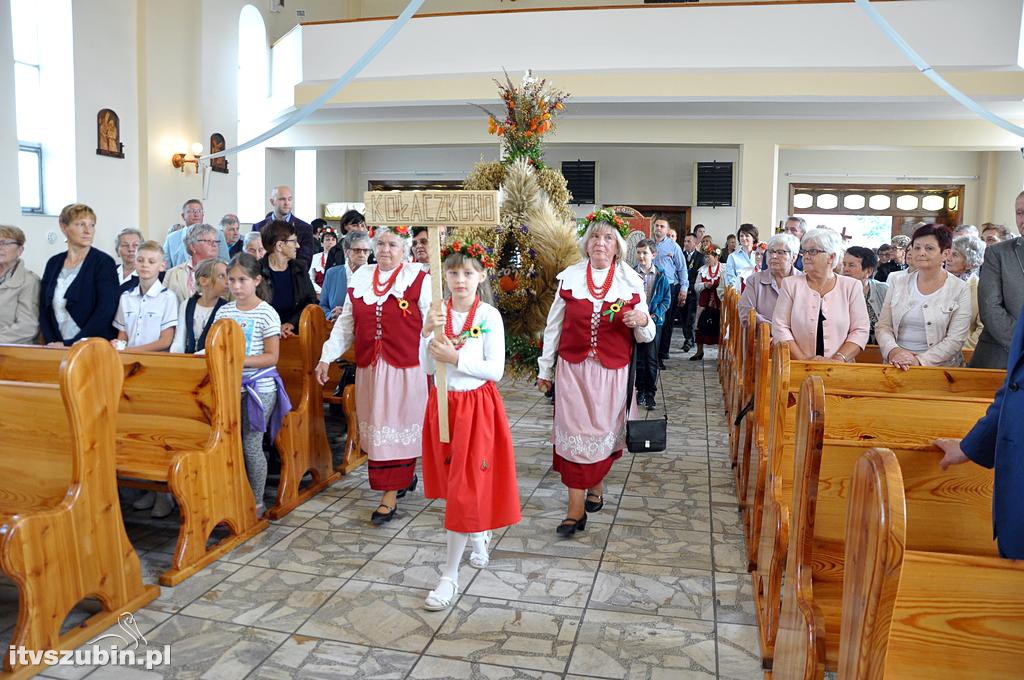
pixel 287 279
pixel 79 291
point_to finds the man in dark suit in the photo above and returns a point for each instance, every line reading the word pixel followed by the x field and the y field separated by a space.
pixel 694 261
pixel 997 441
pixel 281 200
pixel 1000 296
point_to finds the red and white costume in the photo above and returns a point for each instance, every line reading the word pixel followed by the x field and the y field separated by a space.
pixel 317 269
pixel 476 472
pixel 593 346
pixel 391 390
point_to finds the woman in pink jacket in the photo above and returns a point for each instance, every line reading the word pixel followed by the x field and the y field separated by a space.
pixel 822 315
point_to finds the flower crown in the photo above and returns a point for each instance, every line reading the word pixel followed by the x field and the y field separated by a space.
pixel 401 230
pixel 472 250
pixel 609 217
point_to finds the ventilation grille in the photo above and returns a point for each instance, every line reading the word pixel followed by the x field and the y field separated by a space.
pixel 582 179
pixel 714 185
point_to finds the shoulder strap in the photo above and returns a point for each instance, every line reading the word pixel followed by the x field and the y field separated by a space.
pixel 201 343
pixel 190 331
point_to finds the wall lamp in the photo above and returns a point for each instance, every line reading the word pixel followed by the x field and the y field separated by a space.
pixel 180 160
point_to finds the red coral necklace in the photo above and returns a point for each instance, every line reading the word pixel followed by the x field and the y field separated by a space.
pixel 599 293
pixel 465 327
pixel 380 290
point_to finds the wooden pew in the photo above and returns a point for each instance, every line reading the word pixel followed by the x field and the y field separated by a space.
pixel 866 386
pixel 912 612
pixel 178 430
pixel 753 460
pixel 949 511
pixel 62 536
pixel 353 455
pixel 873 355
pixel 302 442
pixel 725 349
pixel 743 391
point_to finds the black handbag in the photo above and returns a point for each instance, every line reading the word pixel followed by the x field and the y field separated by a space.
pixel 649 435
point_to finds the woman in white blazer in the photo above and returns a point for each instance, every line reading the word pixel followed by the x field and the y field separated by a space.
pixel 927 311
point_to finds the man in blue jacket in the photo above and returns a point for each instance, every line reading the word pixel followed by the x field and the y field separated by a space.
pixel 997 440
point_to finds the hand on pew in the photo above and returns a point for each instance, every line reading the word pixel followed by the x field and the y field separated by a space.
pixel 954 455
pixel 287 331
pixel 903 359
pixel 321 370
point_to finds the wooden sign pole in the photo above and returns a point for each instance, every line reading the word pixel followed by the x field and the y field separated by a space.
pixel 434 210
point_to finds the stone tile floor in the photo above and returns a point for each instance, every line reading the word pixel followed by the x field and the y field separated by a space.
pixel 654 588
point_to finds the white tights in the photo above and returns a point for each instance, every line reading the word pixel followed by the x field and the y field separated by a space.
pixel 457 546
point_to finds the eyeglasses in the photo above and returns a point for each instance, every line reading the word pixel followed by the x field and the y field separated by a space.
pixel 811 252
pixel 779 253
pixel 194 211
pixel 292 241
pixel 9 244
pixel 206 240
pixel 359 251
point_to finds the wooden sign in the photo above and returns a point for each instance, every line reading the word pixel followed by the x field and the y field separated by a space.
pixel 432 208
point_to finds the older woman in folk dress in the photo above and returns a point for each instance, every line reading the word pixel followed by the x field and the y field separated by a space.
pixel 383 315
pixel 598 314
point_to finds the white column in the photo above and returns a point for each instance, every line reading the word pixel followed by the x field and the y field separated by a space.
pixel 757 184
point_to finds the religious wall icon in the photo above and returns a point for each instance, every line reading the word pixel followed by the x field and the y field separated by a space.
pixel 108 134
pixel 217 145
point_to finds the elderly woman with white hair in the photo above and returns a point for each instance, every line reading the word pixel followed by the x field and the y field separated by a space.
pixel 821 315
pixel 762 290
pixel 383 316
pixel 598 314
pixel 965 262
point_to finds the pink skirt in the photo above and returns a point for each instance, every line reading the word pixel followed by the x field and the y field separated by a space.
pixel 590 418
pixel 390 403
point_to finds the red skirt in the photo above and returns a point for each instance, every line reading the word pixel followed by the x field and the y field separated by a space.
pixel 476 472
pixel 391 475
pixel 582 475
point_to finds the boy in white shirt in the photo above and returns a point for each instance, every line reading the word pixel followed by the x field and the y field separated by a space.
pixel 148 313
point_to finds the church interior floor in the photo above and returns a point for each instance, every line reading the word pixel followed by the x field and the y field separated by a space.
pixel 655 587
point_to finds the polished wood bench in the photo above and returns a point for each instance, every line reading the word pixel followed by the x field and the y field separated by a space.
pixel 302 442
pixel 743 390
pixel 872 354
pixel 178 430
pixel 353 455
pixel 866 387
pixel 62 537
pixel 751 463
pixel 948 511
pixel 915 612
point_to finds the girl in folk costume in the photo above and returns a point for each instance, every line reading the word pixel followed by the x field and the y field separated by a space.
pixel 707 286
pixel 329 239
pixel 383 315
pixel 476 472
pixel 598 314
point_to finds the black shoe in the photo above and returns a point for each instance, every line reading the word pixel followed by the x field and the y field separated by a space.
pixel 411 487
pixel 687 346
pixel 379 517
pixel 661 365
pixel 570 526
pixel 641 400
pixel 697 357
pixel 593 506
pixel 651 404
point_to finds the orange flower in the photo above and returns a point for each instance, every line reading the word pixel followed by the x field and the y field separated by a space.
pixel 492 125
pixel 559 106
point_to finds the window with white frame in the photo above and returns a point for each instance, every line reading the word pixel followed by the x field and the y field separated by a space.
pixel 41 33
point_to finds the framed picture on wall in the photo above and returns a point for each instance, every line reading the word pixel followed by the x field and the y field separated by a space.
pixel 217 145
pixel 108 134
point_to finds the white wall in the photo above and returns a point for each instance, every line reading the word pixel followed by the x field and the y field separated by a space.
pixel 1009 181
pixel 10 213
pixel 627 174
pixel 882 167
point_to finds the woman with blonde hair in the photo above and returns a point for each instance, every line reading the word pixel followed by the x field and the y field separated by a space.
pixel 19 291
pixel 599 313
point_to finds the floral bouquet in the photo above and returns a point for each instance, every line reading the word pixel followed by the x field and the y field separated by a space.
pixel 530 112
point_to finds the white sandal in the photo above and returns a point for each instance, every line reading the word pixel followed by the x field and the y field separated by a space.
pixel 438 599
pixel 481 560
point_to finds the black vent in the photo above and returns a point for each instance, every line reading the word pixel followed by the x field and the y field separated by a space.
pixel 582 179
pixel 714 185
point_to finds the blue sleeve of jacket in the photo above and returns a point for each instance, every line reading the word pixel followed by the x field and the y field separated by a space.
pixel 660 300
pixel 106 287
pixel 980 443
pixel 333 292
pixel 47 323
pixel 730 274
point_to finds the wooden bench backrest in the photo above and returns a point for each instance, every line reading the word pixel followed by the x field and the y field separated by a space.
pixel 300 354
pixel 872 354
pixel 920 614
pixel 49 429
pixel 154 410
pixel 924 380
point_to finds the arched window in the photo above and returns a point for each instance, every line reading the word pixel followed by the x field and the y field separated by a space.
pixel 253 91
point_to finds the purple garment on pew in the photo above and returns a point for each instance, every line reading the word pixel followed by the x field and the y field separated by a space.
pixel 251 402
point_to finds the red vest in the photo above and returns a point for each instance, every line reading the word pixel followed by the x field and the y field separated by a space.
pixel 603 334
pixel 403 327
